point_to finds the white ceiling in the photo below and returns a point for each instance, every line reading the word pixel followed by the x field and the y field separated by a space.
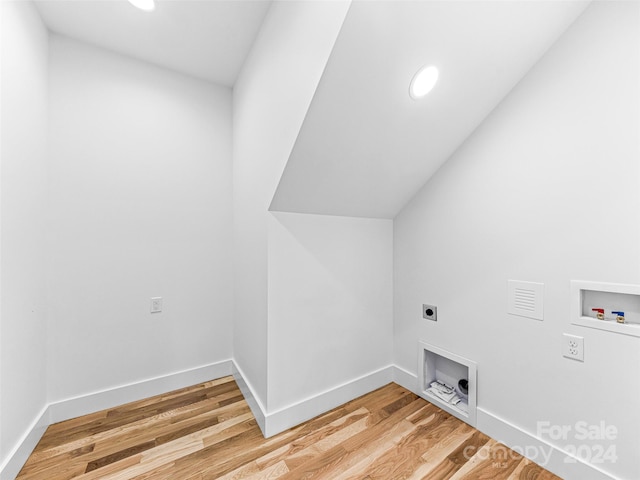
pixel 208 39
pixel 366 147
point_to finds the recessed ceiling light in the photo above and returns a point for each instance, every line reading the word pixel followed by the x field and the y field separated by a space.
pixel 146 5
pixel 423 82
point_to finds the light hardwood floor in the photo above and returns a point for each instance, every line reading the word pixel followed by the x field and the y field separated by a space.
pixel 208 432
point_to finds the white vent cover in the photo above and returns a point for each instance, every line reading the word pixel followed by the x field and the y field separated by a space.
pixel 525 299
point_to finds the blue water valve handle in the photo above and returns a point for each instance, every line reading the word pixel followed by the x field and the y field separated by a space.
pixel 618 313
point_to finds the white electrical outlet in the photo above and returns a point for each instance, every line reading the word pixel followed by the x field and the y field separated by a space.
pixel 573 347
pixel 156 304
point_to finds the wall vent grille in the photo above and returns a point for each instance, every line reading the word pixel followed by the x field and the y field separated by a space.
pixel 525 299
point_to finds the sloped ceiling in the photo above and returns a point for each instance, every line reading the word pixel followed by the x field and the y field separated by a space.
pixel 208 39
pixel 366 147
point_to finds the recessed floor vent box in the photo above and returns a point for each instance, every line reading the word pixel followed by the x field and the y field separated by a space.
pixel 438 365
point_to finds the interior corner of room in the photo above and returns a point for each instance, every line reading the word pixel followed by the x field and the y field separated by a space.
pixel 285 214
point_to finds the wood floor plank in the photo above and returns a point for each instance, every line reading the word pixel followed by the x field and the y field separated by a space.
pixel 350 452
pixel 123 441
pixel 207 432
pixel 479 457
pixel 439 451
pixel 492 461
pixel 316 449
pixel 527 470
pixel 371 451
pixel 252 470
pixel 67 432
pixel 298 446
pixel 448 467
pixel 403 460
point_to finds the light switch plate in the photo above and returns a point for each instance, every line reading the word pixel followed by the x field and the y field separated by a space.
pixel 156 304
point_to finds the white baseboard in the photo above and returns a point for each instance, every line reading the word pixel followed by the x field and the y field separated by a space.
pixel 552 458
pixel 109 398
pixel 272 423
pixel 298 412
pixel 256 406
pixel 10 468
pixel 405 379
pixel 113 397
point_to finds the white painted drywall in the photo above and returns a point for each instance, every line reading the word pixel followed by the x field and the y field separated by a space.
pixel 330 303
pixel 205 39
pixel 366 147
pixel 270 101
pixel 546 190
pixel 140 206
pixel 23 170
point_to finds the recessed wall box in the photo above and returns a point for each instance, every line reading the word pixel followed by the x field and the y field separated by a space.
pixel 619 303
pixel 439 365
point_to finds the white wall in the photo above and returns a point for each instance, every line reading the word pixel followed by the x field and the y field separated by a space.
pixel 23 170
pixel 140 206
pixel 330 303
pixel 270 100
pixel 546 190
